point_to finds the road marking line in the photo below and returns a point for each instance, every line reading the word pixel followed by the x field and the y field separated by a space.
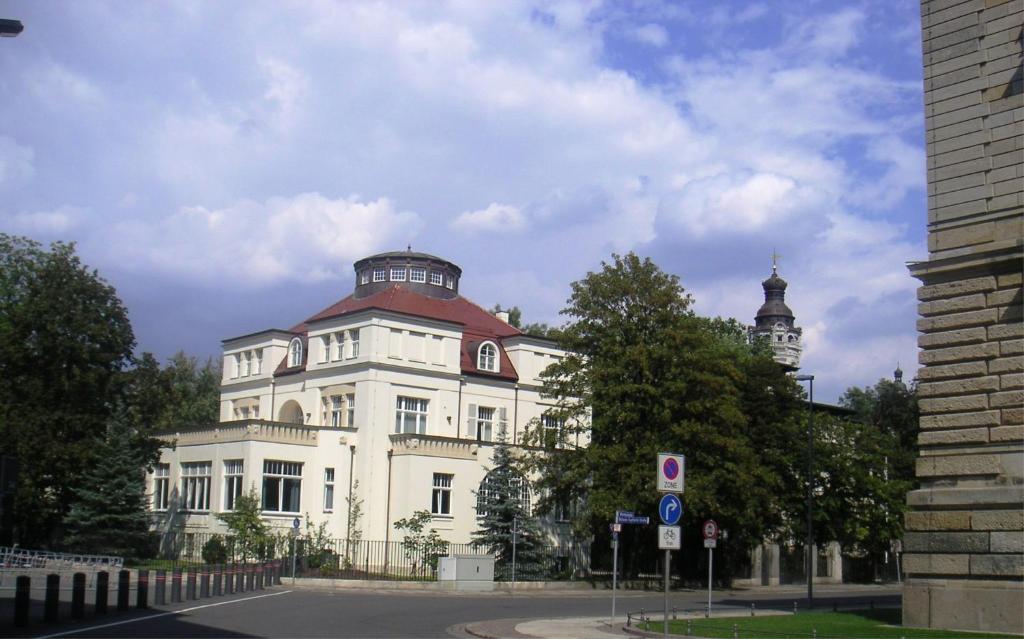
pixel 158 615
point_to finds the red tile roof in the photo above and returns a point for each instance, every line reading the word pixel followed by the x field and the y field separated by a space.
pixel 477 324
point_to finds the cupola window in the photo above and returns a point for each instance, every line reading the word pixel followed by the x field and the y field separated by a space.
pixel 397 273
pixel 436 278
pixel 379 274
pixel 418 274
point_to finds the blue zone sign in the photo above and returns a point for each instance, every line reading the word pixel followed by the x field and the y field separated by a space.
pixel 670 509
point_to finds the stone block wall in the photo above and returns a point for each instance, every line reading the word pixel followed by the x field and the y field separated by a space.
pixel 964 546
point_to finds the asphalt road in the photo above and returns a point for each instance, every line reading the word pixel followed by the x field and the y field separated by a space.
pixel 286 612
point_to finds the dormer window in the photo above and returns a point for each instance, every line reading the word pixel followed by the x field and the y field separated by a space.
pixel 487 357
pixel 295 353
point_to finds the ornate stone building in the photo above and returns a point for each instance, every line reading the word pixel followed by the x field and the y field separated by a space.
pixel 964 546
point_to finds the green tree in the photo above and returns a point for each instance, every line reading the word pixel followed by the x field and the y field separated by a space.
pixel 181 393
pixel 64 339
pixel 644 375
pixel 108 513
pixel 891 409
pixel 421 543
pixel 250 535
pixel 503 515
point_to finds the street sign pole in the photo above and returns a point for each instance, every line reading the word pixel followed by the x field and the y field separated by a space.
pixel 615 569
pixel 711 557
pixel 668 562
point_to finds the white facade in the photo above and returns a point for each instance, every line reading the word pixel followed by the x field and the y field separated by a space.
pixel 391 392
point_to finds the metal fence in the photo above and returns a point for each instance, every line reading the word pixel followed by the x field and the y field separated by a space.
pixel 391 560
pixel 27 558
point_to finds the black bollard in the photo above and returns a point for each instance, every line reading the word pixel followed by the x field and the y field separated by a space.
pixel 190 585
pixel 78 595
pixel 142 590
pixel 22 600
pixel 250 578
pixel 240 578
pixel 204 583
pixel 123 580
pixel 257 576
pixel 218 577
pixel 102 586
pixel 52 609
pixel 229 579
pixel 160 588
pixel 176 586
pixel 277 572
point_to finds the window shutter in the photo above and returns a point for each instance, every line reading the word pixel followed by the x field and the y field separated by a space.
pixel 471 422
pixel 502 425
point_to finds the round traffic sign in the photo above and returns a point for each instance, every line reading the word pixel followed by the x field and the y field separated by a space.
pixel 670 509
pixel 710 529
pixel 671 468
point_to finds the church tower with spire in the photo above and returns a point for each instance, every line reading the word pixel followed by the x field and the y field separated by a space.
pixel 775 321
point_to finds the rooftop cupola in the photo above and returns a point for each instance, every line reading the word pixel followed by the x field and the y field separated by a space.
pixel 425 274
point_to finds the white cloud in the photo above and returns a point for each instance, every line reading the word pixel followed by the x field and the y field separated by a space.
pixel 16 162
pixel 830 35
pixel 495 218
pixel 49 224
pixel 59 87
pixel 307 237
pixel 651 34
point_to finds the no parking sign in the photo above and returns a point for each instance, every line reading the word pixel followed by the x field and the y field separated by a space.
pixel 671 470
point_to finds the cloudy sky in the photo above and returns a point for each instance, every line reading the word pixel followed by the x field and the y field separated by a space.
pixel 224 163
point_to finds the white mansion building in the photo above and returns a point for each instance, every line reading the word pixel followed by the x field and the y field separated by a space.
pixel 392 396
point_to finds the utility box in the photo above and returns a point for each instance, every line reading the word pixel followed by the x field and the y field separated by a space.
pixel 467 572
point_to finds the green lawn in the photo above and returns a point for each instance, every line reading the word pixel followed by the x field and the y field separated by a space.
pixel 856 624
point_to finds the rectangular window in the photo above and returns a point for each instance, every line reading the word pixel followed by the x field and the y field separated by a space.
pixel 411 415
pixel 353 343
pixel 484 423
pixel 236 365
pixel 339 345
pixel 336 411
pixel 364 277
pixel 379 274
pixel 195 485
pixel 257 361
pixel 232 482
pixel 449 282
pixel 350 419
pixel 554 428
pixel 325 348
pixel 397 273
pixel 242 412
pixel 441 500
pixel 161 486
pixel 436 278
pixel 282 486
pixel 417 274
pixel 328 490
pixel 246 364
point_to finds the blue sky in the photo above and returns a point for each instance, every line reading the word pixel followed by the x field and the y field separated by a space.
pixel 223 164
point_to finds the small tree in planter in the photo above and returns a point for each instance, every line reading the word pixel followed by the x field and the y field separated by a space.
pixel 251 535
pixel 422 545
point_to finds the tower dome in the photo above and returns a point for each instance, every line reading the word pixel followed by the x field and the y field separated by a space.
pixel 775 321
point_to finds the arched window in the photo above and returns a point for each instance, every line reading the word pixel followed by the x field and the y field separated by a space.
pixel 295 352
pixel 487 357
pixel 492 491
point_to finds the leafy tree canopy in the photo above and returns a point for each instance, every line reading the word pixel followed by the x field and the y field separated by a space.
pixel 64 338
pixel 644 375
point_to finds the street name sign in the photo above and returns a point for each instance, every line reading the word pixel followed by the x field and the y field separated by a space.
pixel 671 470
pixel 670 509
pixel 627 517
pixel 669 538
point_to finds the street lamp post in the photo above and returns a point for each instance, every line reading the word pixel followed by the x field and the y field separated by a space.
pixel 810 487
pixel 10 28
